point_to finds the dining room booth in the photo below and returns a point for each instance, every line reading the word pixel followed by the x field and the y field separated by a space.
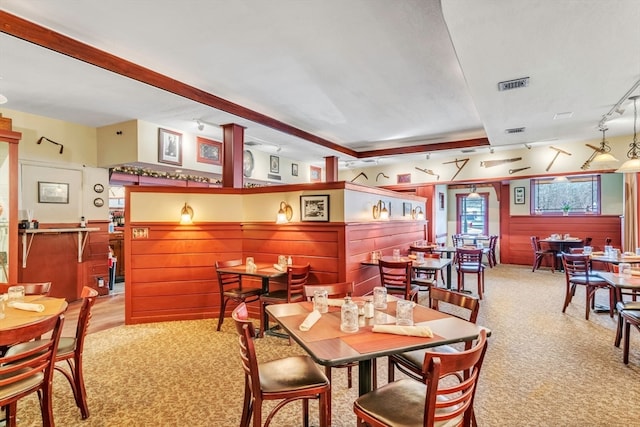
pixel 333 226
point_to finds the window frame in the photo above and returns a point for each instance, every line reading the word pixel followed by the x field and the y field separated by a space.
pixel 460 199
pixel 595 179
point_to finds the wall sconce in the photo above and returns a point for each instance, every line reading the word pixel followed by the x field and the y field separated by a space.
pixel 186 214
pixel 417 213
pixel 285 213
pixel 380 211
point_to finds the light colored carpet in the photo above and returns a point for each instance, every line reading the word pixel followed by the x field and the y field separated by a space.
pixel 542 368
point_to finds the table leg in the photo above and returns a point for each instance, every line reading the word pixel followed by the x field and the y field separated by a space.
pixel 364 376
pixel 449 276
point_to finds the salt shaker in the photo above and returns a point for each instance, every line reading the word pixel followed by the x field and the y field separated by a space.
pixel 349 316
pixel 368 309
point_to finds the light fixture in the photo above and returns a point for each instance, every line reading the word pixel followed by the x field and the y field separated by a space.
pixel 380 211
pixel 474 194
pixel 560 179
pixel 3 99
pixel 633 164
pixel 186 214
pixel 417 213
pixel 605 155
pixel 200 125
pixel 285 213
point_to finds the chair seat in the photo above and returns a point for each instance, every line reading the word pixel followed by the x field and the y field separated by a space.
pixel 400 403
pixel 628 305
pixel 279 296
pixel 15 389
pixel 416 357
pixel 632 316
pixel 290 373
pixel 593 280
pixel 244 293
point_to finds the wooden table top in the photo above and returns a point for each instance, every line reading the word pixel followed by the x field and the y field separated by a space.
pixel 329 346
pixel 15 317
pixel 428 264
pixel 263 270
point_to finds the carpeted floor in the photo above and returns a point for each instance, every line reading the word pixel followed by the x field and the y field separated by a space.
pixel 543 368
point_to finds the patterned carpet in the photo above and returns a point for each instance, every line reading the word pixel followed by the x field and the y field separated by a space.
pixel 543 368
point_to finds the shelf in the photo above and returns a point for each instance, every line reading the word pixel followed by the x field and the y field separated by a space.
pixel 29 233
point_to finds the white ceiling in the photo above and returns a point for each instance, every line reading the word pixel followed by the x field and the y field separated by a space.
pixel 363 74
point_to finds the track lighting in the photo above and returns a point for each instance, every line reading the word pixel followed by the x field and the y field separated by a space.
pixel 633 164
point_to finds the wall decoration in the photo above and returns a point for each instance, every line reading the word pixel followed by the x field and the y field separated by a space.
pixel 315 173
pixel 294 169
pixel 406 209
pixel 558 151
pixel 441 201
pixel 274 164
pixel 247 163
pixel 359 175
pixel 98 188
pixel 498 162
pixel 404 178
pixel 140 233
pixel 383 175
pixel 53 192
pixel 460 164
pixel 428 172
pixel 518 195
pixel 209 151
pixel 169 147
pixel 314 208
pixel 98 202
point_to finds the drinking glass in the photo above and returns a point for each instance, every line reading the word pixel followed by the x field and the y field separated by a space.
pixel 380 297
pixel 587 250
pixel 349 316
pixel 404 313
pixel 16 293
pixel 625 270
pixel 396 254
pixel 2 298
pixel 420 257
pixel 320 300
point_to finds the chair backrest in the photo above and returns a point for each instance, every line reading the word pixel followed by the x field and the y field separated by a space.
pixel 36 288
pixel 469 258
pixel 588 240
pixel 454 400
pixel 535 243
pixel 434 255
pixel 607 241
pixel 89 296
pixel 396 277
pixel 228 280
pixel 457 240
pixel 493 242
pixel 297 277
pixel 468 302
pixel 576 265
pixel 335 290
pixel 425 250
pixel 246 333
pixel 32 363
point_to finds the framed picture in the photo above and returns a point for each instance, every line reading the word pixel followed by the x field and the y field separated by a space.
pixel 53 192
pixel 518 195
pixel 274 164
pixel 314 208
pixel 406 209
pixel 140 233
pixel 169 147
pixel 294 169
pixel 315 173
pixel 404 178
pixel 441 201
pixel 209 151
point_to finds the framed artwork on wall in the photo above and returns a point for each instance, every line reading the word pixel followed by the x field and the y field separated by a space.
pixel 315 173
pixel 518 195
pixel 314 208
pixel 274 164
pixel 209 151
pixel 441 201
pixel 169 147
pixel 53 192
pixel 406 209
pixel 294 169
pixel 404 178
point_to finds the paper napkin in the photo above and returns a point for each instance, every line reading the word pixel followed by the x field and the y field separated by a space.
pixel 310 320
pixel 413 331
pixel 28 306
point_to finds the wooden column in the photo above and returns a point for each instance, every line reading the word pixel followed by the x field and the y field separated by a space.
pixel 8 135
pixel 331 168
pixel 232 155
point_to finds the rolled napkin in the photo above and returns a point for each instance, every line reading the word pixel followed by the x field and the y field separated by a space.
pixel 310 320
pixel 278 267
pixel 28 306
pixel 335 302
pixel 635 272
pixel 412 331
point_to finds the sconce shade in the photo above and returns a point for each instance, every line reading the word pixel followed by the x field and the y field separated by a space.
pixel 285 213
pixel 605 156
pixel 186 214
pixel 380 211
pixel 633 164
pixel 417 213
pixel 474 194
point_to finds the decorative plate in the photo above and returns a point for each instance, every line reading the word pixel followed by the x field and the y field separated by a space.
pixel 247 163
pixel 98 202
pixel 98 188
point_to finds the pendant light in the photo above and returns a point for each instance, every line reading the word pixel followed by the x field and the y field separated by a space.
pixel 474 194
pixel 605 155
pixel 633 164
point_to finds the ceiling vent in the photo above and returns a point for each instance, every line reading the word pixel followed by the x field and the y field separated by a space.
pixel 468 150
pixel 514 130
pixel 251 143
pixel 513 84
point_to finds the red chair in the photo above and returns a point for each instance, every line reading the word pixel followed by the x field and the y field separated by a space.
pixel 396 277
pixel 297 277
pixel 288 379
pixel 539 254
pixel 577 269
pixel 469 261
pixel 231 289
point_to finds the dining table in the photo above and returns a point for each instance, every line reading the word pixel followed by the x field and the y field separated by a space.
pixel 622 284
pixel 562 245
pixel 327 345
pixel 264 271
pixel 447 251
pixel 16 318
pixel 427 265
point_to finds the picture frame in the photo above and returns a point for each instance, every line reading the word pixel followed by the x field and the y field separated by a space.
pixel 315 174
pixel 314 208
pixel 53 192
pixel 140 233
pixel 294 169
pixel 274 164
pixel 519 195
pixel 169 147
pixel 441 201
pixel 406 209
pixel 404 178
pixel 209 151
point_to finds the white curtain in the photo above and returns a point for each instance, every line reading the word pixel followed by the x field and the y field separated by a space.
pixel 630 220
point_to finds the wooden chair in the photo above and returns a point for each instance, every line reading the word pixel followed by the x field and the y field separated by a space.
pixel 539 254
pixel 297 277
pixel 29 370
pixel 577 270
pixel 396 277
pixel 37 288
pixel 398 403
pixel 288 379
pixel 70 350
pixel 457 240
pixel 230 286
pixel 469 261
pixel 410 363
pixel 490 251
pixel 628 317
pixel 426 279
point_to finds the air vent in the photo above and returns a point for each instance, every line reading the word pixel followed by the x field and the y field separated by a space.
pixel 468 150
pixel 514 130
pixel 252 143
pixel 513 84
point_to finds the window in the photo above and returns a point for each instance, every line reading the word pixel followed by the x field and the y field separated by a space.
pixel 472 214
pixel 577 194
